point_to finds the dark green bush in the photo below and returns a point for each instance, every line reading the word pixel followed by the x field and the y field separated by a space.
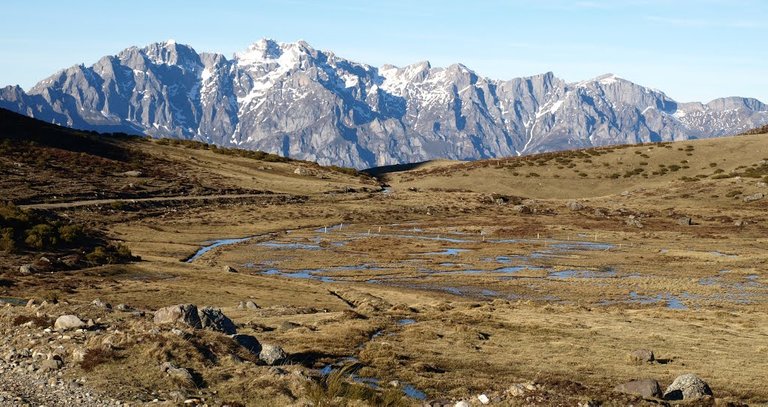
pixel 41 236
pixel 71 234
pixel 7 240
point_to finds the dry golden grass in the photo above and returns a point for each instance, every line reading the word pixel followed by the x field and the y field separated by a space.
pixel 572 335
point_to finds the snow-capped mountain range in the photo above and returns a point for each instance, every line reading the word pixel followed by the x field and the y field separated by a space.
pixel 294 100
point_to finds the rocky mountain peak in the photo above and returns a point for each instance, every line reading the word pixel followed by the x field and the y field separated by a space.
pixel 290 99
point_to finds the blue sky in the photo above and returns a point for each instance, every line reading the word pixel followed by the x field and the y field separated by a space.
pixel 692 50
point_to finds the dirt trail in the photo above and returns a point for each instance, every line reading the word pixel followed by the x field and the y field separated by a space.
pixel 74 204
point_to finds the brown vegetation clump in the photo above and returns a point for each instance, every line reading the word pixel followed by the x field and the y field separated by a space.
pixel 94 357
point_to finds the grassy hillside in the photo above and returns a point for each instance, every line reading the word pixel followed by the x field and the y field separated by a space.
pixel 41 162
pixel 602 171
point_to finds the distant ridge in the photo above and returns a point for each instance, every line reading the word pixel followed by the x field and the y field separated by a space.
pixel 293 100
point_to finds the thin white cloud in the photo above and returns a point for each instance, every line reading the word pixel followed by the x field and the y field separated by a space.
pixel 702 23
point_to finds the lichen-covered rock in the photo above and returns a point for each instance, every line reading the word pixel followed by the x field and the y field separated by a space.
pixel 272 354
pixel 214 319
pixel 687 387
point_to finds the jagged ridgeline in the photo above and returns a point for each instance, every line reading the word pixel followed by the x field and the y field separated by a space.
pixel 295 101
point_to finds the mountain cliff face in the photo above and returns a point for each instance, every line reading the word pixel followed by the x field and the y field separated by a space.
pixel 293 100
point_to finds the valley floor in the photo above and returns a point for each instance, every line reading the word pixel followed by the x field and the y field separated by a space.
pixel 413 295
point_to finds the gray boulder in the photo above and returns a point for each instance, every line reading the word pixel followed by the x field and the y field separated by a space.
pixel 272 354
pixel 67 322
pixel 687 387
pixel 646 388
pixel 178 374
pixel 183 313
pixel 575 206
pixel 51 364
pixel 250 343
pixel 249 305
pixel 101 304
pixel 124 308
pixel 685 221
pixel 754 197
pixel 641 356
pixel 26 269
pixel 522 209
pixel 215 320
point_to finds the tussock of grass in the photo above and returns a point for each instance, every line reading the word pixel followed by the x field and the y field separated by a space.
pixel 338 389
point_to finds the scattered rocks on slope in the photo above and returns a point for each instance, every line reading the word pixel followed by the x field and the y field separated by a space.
pixel 640 356
pixel 272 354
pixel 646 388
pixel 687 387
pixel 184 313
pixel 214 319
pixel 67 322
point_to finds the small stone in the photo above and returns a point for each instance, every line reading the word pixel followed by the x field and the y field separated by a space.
pixel 179 374
pixel 251 305
pixel 50 365
pixel 101 304
pixel 754 197
pixel 641 356
pixel 575 206
pixel 123 308
pixel 66 322
pixel 461 403
pixel 26 269
pixel 647 388
pixel 522 209
pixel 685 221
pixel 517 390
pixel 78 355
pixel 230 269
pixel 483 399
pixel 633 221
